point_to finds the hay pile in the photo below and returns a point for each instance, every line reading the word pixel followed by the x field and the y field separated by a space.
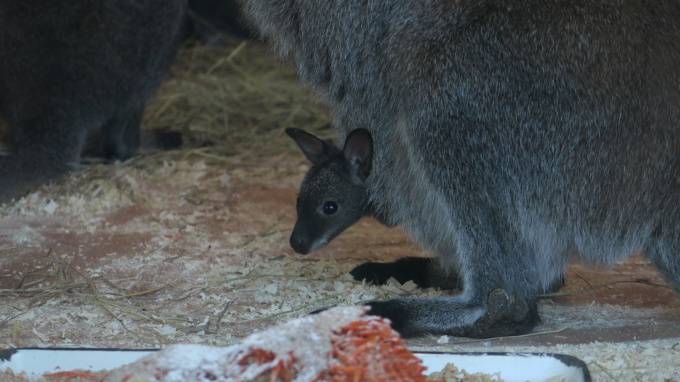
pixel 238 97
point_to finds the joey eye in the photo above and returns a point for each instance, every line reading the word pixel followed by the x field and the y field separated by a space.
pixel 330 207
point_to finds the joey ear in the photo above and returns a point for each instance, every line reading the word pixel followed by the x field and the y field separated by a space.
pixel 315 149
pixel 358 152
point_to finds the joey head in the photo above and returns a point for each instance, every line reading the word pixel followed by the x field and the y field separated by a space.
pixel 333 195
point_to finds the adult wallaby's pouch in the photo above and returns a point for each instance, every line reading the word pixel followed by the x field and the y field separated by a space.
pixel 508 137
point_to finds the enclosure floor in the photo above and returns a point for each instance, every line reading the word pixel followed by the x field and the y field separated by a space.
pixel 185 247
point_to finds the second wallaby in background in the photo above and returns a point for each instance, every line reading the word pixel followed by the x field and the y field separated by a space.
pixel 70 69
pixel 508 136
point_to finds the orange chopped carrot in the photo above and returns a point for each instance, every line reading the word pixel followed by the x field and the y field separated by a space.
pixel 283 371
pixel 76 375
pixel 369 350
pixel 257 355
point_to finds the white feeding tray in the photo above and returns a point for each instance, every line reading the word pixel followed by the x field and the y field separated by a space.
pixel 509 367
pixel 512 367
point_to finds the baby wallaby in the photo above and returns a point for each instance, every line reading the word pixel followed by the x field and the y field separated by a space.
pixel 333 196
pixel 72 69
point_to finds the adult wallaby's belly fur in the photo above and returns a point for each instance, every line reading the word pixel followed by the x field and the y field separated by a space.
pixel 509 135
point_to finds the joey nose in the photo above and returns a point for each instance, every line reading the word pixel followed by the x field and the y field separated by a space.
pixel 299 244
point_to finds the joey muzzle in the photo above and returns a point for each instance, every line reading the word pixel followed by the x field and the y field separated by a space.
pixel 299 241
pixel 299 244
pixel 304 242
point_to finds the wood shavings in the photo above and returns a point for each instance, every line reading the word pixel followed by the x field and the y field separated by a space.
pixel 452 374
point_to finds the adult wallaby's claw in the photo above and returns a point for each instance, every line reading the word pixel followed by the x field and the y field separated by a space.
pixel 425 272
pixel 372 272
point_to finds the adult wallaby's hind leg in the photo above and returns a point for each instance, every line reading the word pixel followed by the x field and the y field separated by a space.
pixel 46 145
pixel 499 287
pixel 471 314
pixel 122 137
pixel 424 271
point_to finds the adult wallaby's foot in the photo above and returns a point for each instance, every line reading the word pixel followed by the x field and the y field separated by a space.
pixel 423 271
pixel 501 315
pixel 18 177
pixel 44 148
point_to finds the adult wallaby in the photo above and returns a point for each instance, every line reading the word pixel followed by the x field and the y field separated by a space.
pixel 509 136
pixel 71 68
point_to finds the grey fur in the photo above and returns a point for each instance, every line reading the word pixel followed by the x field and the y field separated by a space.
pixel 68 69
pixel 510 136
